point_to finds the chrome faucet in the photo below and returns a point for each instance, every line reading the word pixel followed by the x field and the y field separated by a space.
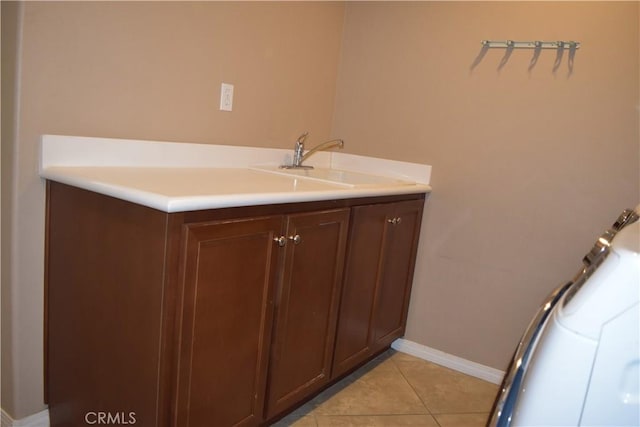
pixel 300 156
pixel 298 150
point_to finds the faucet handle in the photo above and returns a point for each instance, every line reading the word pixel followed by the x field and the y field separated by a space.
pixel 302 138
pixel 298 151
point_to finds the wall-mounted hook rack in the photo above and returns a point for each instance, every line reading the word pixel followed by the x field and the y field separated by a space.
pixel 535 44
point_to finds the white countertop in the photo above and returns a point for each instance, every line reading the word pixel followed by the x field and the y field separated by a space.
pixel 172 177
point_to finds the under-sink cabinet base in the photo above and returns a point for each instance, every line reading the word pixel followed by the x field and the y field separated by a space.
pixel 221 317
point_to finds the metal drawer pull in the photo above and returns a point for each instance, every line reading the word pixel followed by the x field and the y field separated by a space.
pixel 395 221
pixel 281 241
pixel 296 239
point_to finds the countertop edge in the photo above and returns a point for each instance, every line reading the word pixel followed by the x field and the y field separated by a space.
pixel 215 201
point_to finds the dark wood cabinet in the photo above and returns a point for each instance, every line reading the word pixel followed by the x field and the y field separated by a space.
pixel 236 273
pixel 108 309
pixel 229 270
pixel 307 307
pixel 222 317
pixel 377 282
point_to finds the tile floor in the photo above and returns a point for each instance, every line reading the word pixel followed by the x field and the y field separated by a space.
pixel 397 389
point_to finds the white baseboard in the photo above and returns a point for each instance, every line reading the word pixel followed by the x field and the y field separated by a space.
pixel 41 419
pixel 448 360
pixel 5 419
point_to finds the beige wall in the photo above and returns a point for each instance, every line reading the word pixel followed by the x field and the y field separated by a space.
pixel 152 70
pixel 528 168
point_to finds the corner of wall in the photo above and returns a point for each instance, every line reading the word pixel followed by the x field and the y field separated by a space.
pixel 11 17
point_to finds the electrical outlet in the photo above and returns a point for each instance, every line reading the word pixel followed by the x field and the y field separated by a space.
pixel 226 97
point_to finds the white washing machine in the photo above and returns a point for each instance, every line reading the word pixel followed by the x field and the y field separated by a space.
pixel 578 363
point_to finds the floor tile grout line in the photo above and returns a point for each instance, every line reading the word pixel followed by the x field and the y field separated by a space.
pixel 315 419
pixel 462 413
pixel 377 415
pixel 357 376
pixel 374 414
pixel 412 388
pixel 433 416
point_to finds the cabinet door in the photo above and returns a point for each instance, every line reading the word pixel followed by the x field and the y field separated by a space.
pixel 377 284
pixel 229 274
pixel 399 254
pixel 367 232
pixel 306 307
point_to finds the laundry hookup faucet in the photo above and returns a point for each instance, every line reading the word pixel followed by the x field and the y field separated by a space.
pixel 299 156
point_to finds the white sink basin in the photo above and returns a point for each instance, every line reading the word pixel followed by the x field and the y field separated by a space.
pixel 337 176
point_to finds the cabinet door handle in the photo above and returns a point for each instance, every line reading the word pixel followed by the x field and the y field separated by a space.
pixel 281 241
pixel 296 239
pixel 398 220
pixel 394 221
